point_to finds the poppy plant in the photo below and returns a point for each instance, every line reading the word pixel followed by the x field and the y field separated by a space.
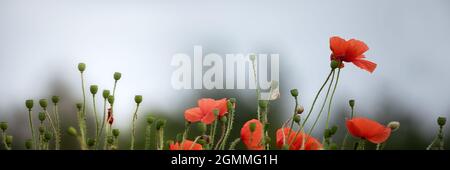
pixel 350 51
pixel 251 134
pixel 205 110
pixel 186 145
pixel 368 129
pixel 295 141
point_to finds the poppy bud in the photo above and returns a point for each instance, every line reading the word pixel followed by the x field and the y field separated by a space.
pixel 150 119
pixel 230 105
pixel 333 130
pixel 297 118
pixel 105 94
pixel 116 132
pixel 9 140
pixel 138 99
pixel 160 123
pixel 90 142
pixel 28 144
pixel 300 110
pixel 111 100
pixel 81 67
pixel 351 103
pixel 201 127
pixel 232 100
pixel 47 136
pixel 3 126
pixel 224 119
pixel 43 103
pixel 94 89
pixel 294 92
pixel 110 140
pixel 252 127
pixel 334 64
pixel 179 137
pixel 216 112
pixel 29 104
pixel 252 57
pixel 41 129
pixel 79 106
pixel 55 99
pixel 117 76
pixel 263 104
pixel 394 125
pixel 72 131
pixel 41 116
pixel 206 138
pixel 441 121
pixel 201 141
pixel 327 133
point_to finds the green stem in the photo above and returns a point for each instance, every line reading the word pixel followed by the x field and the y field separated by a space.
pixel 58 128
pixel 213 133
pixel 133 130
pixel 323 104
pixel 229 128
pixel 234 143
pixel 344 143
pixel 97 131
pixel 222 136
pixel 31 127
pixel 148 136
pixel 52 125
pixel 331 99
pixel 104 125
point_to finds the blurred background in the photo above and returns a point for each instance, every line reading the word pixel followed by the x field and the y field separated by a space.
pixel 41 43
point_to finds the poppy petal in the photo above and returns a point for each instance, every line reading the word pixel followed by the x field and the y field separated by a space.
pixel 382 135
pixel 252 139
pixel 206 105
pixel 222 106
pixel 208 118
pixel 355 49
pixel 338 46
pixel 193 114
pixel 365 65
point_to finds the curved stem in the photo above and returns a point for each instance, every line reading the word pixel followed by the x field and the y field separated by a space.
pixel 323 105
pixel 58 128
pixel 331 99
pixel 133 130
pixel 31 128
pixel 97 131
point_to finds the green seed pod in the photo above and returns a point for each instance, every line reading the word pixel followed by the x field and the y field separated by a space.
pixel 223 119
pixel 150 119
pixel 48 136
pixel 106 94
pixel 252 57
pixel 43 103
pixel 201 142
pixel 111 100
pixel 333 146
pixel 3 126
pixel 297 118
pixel 294 92
pixel 9 140
pixel 351 103
pixel 28 144
pixel 441 121
pixel 90 142
pixel 41 116
pixel 79 106
pixel 334 64
pixel 201 127
pixel 117 76
pixel 263 104
pixel 72 131
pixel 138 99
pixel 232 100
pixel 160 123
pixel 116 132
pixel 216 112
pixel 29 104
pixel 41 129
pixel 333 130
pixel 179 137
pixel 93 89
pixel 55 99
pixel 252 127
pixel 81 67
pixel 110 140
pixel 327 133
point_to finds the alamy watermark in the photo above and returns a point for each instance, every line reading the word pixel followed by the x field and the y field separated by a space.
pixel 239 71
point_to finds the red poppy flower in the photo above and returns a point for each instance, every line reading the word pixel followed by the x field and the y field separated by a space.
pixel 253 140
pixel 186 145
pixel 351 51
pixel 368 129
pixel 110 118
pixel 296 140
pixel 204 111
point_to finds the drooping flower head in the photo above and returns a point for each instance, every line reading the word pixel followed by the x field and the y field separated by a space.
pixel 350 51
pixel 186 145
pixel 295 141
pixel 205 110
pixel 368 129
pixel 251 134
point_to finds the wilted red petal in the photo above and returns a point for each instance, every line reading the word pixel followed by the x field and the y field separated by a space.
pixel 253 140
pixel 365 65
